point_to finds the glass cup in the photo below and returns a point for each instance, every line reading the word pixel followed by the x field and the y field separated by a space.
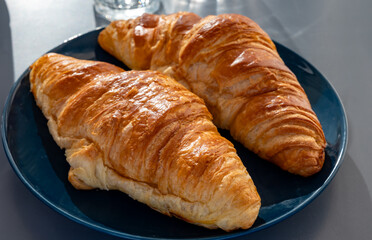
pixel 125 9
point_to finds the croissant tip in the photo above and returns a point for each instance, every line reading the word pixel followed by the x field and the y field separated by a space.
pixel 311 166
pixel 300 162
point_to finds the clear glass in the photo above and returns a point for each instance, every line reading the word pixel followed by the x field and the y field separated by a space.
pixel 125 9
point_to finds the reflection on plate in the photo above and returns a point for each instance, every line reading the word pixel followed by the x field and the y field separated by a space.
pixel 42 167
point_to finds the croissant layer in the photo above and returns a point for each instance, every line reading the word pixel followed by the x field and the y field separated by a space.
pixel 143 133
pixel 230 62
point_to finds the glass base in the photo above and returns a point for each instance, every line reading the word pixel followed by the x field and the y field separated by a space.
pixel 107 11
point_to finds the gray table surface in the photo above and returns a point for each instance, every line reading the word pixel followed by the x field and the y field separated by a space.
pixel 334 35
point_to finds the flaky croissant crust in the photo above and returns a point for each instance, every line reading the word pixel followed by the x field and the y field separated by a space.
pixel 144 134
pixel 230 62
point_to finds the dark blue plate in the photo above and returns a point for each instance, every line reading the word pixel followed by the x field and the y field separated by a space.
pixel 42 167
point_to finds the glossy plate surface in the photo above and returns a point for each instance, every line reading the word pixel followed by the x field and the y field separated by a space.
pixel 42 167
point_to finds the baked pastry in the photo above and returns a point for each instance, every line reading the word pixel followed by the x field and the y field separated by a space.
pixel 143 133
pixel 230 62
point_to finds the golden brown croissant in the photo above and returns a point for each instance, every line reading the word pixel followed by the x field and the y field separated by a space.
pixel 143 133
pixel 230 62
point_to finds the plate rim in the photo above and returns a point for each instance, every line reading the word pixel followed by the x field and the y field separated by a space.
pixel 109 230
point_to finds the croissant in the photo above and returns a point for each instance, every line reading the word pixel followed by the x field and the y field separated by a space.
pixel 230 62
pixel 146 135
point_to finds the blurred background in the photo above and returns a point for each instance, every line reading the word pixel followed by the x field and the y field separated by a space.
pixel 333 35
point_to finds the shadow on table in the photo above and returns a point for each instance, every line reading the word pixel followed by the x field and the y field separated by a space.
pixel 346 197
pixel 6 63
